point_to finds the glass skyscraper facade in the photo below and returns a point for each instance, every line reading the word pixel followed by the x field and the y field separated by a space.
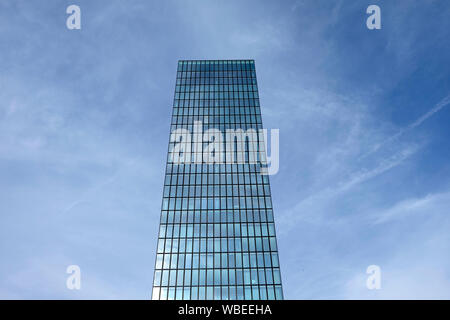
pixel 217 235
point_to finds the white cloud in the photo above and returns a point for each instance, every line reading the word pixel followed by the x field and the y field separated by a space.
pixel 416 265
pixel 427 206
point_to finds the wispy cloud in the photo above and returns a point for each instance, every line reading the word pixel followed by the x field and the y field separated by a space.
pixel 413 261
pixel 431 204
pixel 91 191
pixel 444 102
pixel 312 208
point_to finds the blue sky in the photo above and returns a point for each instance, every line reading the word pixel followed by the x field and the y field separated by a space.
pixel 363 116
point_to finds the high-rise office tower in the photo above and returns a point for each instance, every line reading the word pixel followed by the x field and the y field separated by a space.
pixel 217 234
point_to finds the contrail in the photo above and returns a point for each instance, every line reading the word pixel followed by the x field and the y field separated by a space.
pixel 308 205
pixel 411 126
pixel 436 108
pixel 100 185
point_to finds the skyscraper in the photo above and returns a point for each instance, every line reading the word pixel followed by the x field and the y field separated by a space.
pixel 217 234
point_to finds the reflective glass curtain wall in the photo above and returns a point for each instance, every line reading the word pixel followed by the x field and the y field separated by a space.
pixel 217 234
